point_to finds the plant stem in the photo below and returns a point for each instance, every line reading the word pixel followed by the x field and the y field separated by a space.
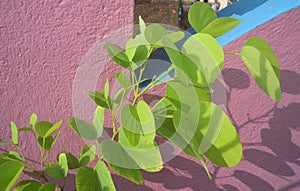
pixel 115 134
pixel 233 53
pixel 151 84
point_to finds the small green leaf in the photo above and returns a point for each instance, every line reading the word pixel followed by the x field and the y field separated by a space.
pixel 134 175
pixel 155 33
pixel 141 55
pixel 5 143
pixel 55 171
pixel 106 89
pixel 120 96
pixel 175 36
pixel 42 128
pixel 14 133
pixel 98 121
pixel 53 129
pixel 220 26
pixel 84 129
pixel 72 161
pixel 24 129
pixel 54 140
pixel 142 24
pixel 87 154
pixel 123 80
pixel 200 15
pixel 63 163
pixel 87 179
pixel 10 172
pixel 99 99
pixel 48 143
pixel 49 186
pixel 117 55
pixel 104 177
pixel 33 119
pixel 262 64
pixel 28 185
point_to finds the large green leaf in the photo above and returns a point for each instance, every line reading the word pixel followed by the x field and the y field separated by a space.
pixel 141 153
pixel 28 185
pixel 49 186
pixel 87 154
pixel 117 55
pixel 42 128
pixel 155 33
pixel 220 26
pixel 10 172
pixel 200 15
pixel 262 64
pixel 137 122
pixel 104 176
pixel 14 133
pixel 87 179
pixel 99 98
pixel 119 161
pixel 206 53
pixel 55 171
pixel 84 129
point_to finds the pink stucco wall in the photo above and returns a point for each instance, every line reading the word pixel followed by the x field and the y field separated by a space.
pixel 42 44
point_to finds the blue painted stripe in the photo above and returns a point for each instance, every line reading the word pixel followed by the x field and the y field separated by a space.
pixel 253 13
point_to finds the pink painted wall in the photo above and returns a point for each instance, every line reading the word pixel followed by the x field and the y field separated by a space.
pixel 43 42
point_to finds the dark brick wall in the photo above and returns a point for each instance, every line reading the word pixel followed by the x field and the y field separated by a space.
pixel 157 11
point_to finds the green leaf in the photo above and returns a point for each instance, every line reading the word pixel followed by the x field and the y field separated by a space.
pixel 98 121
pixel 131 123
pixel 28 185
pixel 87 154
pixel 53 129
pixel 54 140
pixel 14 133
pixel 24 129
pixel 200 15
pixel 123 80
pixel 49 186
pixel 134 175
pixel 117 55
pixel 210 132
pixel 220 26
pixel 10 172
pixel 55 171
pixel 99 99
pixel 262 64
pixel 104 177
pixel 145 150
pixel 84 129
pixel 106 89
pixel 33 119
pixel 121 95
pixel 63 163
pixel 155 33
pixel 142 24
pixel 48 143
pixel 72 161
pixel 5 143
pixel 175 36
pixel 141 55
pixel 87 179
pixel 42 128
pixel 206 53
pixel 11 155
pixel 133 44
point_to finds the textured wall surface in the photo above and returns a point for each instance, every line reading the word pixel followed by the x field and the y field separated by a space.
pixel 43 42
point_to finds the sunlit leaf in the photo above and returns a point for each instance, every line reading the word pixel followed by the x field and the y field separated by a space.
pixel 117 55
pixel 262 64
pixel 72 161
pixel 155 33
pixel 104 177
pixel 123 80
pixel 84 129
pixel 106 89
pixel 53 129
pixel 87 154
pixel 28 185
pixel 220 26
pixel 200 15
pixel 99 98
pixel 10 172
pixel 63 163
pixel 24 129
pixel 98 120
pixel 33 119
pixel 142 24
pixel 42 128
pixel 14 133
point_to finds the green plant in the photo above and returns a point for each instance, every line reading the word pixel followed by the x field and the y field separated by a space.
pixel 185 116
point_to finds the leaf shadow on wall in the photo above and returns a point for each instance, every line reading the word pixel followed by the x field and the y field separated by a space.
pixel 184 174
